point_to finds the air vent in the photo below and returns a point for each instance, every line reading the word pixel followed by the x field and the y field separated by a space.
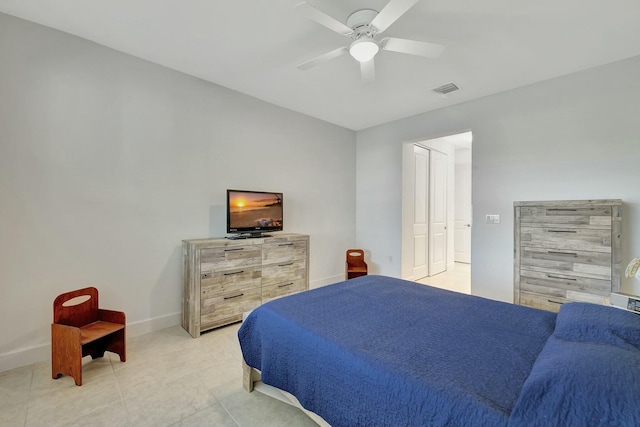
pixel 446 88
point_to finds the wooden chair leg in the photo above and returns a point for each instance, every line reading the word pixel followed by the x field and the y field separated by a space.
pixel 120 346
pixel 77 371
pixel 66 352
pixel 117 344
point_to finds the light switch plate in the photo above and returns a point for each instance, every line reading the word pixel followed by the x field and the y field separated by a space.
pixel 493 219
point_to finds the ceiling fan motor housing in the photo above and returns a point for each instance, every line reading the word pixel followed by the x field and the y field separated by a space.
pixel 360 22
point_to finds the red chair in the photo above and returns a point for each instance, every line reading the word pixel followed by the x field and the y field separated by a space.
pixel 355 265
pixel 81 329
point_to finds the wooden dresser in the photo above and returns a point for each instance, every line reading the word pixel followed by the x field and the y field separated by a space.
pixel 566 251
pixel 224 278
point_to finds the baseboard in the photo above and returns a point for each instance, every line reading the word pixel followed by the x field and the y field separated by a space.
pixel 329 280
pixel 42 353
pixel 154 324
pixel 25 356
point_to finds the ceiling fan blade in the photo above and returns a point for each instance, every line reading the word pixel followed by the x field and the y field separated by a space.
pixel 412 47
pixel 368 71
pixel 323 19
pixel 391 12
pixel 324 58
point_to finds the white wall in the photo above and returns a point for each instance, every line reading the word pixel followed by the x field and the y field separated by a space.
pixel 574 137
pixel 107 162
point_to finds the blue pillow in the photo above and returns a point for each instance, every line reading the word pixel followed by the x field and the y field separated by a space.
pixel 578 321
pixel 581 383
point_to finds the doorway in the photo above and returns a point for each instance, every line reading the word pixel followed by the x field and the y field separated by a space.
pixel 436 206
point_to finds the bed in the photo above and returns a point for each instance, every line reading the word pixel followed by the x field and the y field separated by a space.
pixel 377 351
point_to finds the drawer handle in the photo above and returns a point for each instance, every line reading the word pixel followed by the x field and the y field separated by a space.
pixel 285 265
pixel 235 272
pixel 561 231
pixel 285 285
pixel 555 302
pixel 233 249
pixel 562 210
pixel 235 296
pixel 573 254
pixel 561 278
pixel 285 244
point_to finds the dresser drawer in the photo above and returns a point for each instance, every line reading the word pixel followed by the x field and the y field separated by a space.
pixel 596 265
pixel 595 216
pixel 275 291
pixel 553 303
pixel 561 284
pixel 284 251
pixel 542 302
pixel 228 308
pixel 274 274
pixel 221 259
pixel 566 238
pixel 222 282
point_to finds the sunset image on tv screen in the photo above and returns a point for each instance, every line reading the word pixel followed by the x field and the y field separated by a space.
pixel 255 210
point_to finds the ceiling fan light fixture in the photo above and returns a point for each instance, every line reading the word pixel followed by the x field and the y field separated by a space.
pixel 364 49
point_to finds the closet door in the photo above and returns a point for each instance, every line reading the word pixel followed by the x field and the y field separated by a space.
pixel 437 213
pixel 420 212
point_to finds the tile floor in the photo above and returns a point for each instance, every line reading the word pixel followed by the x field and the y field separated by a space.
pixel 169 379
pixel 456 278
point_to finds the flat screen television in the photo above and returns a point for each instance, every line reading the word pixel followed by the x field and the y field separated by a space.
pixel 252 213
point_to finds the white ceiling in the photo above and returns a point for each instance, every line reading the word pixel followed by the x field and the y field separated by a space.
pixel 254 46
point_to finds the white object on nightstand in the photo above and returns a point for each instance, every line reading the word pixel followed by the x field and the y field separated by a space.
pixel 626 301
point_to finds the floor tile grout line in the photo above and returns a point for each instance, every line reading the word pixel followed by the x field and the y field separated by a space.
pixel 122 399
pixel 226 410
pixel 26 409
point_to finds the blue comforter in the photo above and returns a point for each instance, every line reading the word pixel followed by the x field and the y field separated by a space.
pixel 378 351
pixel 588 373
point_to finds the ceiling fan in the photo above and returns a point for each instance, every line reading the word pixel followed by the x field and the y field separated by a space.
pixel 364 27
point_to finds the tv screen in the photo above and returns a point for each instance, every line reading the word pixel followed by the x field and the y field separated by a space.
pixel 253 212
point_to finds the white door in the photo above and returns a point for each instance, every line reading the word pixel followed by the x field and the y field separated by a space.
pixel 420 212
pixel 462 220
pixel 437 213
